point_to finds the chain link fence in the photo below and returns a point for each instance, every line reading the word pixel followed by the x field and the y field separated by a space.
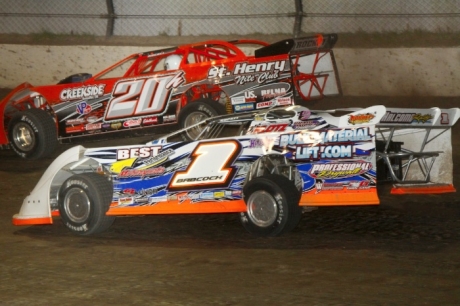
pixel 229 17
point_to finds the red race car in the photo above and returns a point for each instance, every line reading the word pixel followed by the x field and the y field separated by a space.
pixel 180 85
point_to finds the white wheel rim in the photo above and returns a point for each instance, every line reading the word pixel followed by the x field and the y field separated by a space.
pixel 77 205
pixel 262 208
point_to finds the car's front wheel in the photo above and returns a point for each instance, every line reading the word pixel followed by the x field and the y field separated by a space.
pixel 32 134
pixel 196 112
pixel 272 203
pixel 83 202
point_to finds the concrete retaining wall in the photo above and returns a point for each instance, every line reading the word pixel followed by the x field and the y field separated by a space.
pixel 363 72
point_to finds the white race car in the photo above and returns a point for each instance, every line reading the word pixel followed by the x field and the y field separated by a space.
pixel 265 165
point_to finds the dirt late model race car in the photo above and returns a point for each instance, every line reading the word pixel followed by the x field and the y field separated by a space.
pixel 183 85
pixel 265 165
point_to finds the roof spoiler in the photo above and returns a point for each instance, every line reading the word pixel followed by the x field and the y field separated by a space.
pixel 310 44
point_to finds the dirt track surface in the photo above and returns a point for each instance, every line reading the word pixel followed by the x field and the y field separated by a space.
pixel 404 252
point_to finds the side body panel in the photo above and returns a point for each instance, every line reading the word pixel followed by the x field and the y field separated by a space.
pixel 336 165
pixel 137 93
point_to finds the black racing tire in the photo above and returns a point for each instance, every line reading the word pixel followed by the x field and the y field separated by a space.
pixel 272 206
pixel 83 202
pixel 32 134
pixel 196 112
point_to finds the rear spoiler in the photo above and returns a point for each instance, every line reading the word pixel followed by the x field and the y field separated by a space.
pixel 434 117
pixel 310 44
pixel 420 117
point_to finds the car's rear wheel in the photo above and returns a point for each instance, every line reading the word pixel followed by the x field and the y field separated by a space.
pixel 272 203
pixel 32 134
pixel 83 202
pixel 196 112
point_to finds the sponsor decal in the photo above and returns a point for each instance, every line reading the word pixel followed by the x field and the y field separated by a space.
pixel 169 118
pixel 75 129
pixel 284 100
pixel 259 129
pixel 313 145
pixel 141 200
pixel 245 68
pixel 444 118
pixel 256 143
pixel 304 125
pixel 160 157
pixel 322 185
pixel 244 107
pixel 250 96
pixel 419 118
pixel 125 201
pixel 275 92
pixel 360 118
pixel 313 137
pixel 84 92
pixel 115 125
pixel 304 115
pixel 265 142
pixel 132 122
pixel 130 191
pixel 75 121
pixel 236 193
pixel 247 73
pixel 219 194
pixel 150 120
pixel 308 43
pixel 333 186
pixel 199 179
pixel 268 94
pixel 84 108
pixel 259 78
pixel 353 185
pixel 142 152
pixel 141 173
pixel 106 126
pixel 141 158
pixel 161 198
pixel 148 191
pixel 339 170
pixel 258 117
pixel 317 152
pixel 207 195
pixel 391 117
pixel 265 104
pixel 93 126
pixel 238 100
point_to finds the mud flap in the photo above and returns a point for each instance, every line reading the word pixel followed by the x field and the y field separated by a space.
pixel 422 189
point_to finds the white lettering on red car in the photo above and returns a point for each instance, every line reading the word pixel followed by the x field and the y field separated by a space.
pixel 142 97
pixel 84 92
